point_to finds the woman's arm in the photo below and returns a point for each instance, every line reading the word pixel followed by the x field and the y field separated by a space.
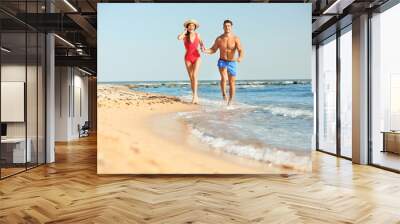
pixel 202 47
pixel 182 35
pixel 213 49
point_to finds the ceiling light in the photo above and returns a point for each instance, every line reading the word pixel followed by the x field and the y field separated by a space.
pixel 338 6
pixel 5 49
pixel 86 72
pixel 64 40
pixel 70 5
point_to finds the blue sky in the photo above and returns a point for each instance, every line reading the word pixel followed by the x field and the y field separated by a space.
pixel 138 42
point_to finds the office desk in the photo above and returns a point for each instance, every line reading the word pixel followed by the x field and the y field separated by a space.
pixel 391 141
pixel 16 147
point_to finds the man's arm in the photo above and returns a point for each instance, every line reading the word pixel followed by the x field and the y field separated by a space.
pixel 240 49
pixel 213 49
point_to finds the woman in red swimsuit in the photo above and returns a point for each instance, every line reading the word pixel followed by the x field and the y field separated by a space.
pixel 192 40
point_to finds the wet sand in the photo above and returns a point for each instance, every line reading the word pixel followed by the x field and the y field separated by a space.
pixel 138 133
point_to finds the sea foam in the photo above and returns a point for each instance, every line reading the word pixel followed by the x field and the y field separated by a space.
pixel 289 112
pixel 265 154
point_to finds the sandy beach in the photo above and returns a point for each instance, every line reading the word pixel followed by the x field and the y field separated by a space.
pixel 138 133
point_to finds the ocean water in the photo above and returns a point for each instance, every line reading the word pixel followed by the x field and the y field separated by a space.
pixel 269 121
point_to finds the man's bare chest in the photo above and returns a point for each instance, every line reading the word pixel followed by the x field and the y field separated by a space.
pixel 228 44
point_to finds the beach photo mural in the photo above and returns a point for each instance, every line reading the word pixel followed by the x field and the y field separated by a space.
pixel 204 88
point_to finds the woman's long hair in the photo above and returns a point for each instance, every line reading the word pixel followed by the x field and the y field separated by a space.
pixel 187 31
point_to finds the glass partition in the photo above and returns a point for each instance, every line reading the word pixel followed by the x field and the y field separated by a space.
pixel 22 101
pixel 33 65
pixel 31 99
pixel 41 112
pixel 346 92
pixel 385 89
pixel 14 153
pixel 327 95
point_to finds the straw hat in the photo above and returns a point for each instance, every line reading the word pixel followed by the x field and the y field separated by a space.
pixel 187 22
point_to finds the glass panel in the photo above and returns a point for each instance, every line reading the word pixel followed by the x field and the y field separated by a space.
pixel 41 98
pixel 31 85
pixel 13 86
pixel 346 93
pixel 31 100
pixel 386 89
pixel 327 96
pixel 32 6
pixel 314 81
pixel 9 24
pixel 23 89
pixel 17 6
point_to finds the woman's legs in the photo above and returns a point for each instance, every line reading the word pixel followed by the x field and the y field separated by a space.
pixel 196 67
pixel 189 68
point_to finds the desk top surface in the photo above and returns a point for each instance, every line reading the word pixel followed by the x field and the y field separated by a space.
pixel 13 140
pixel 391 132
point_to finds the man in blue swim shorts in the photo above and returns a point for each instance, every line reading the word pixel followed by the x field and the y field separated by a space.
pixel 227 44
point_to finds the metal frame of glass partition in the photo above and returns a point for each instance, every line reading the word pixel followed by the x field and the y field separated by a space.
pixel 387 5
pixel 43 98
pixel 338 153
pixel 0 91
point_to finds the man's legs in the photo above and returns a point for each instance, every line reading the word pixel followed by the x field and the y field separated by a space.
pixel 224 77
pixel 231 88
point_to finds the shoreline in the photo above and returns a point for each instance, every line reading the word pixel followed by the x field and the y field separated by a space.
pixel 153 141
